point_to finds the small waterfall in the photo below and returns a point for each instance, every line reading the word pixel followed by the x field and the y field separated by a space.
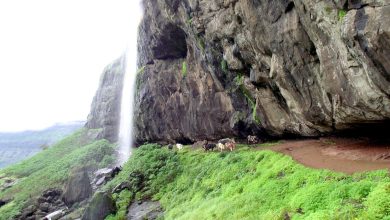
pixel 125 136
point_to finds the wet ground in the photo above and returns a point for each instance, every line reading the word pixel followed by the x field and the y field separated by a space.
pixel 347 155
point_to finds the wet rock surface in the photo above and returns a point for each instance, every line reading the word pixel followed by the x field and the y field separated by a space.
pixel 145 210
pixel 100 206
pixel 102 176
pixel 261 67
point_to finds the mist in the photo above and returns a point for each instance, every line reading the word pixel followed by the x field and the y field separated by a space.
pixel 52 54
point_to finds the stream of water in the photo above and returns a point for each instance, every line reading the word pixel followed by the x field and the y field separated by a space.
pixel 125 135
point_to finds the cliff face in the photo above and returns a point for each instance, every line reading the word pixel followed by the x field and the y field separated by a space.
pixel 105 108
pixel 211 69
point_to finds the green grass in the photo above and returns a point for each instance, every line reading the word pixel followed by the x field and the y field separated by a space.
pixel 50 168
pixel 249 184
pixel 149 168
pixel 184 69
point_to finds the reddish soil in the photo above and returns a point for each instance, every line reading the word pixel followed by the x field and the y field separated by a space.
pixel 347 155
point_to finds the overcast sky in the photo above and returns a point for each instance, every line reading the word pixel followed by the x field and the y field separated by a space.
pixel 52 53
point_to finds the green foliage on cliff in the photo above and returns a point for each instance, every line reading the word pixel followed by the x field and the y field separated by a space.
pixel 50 169
pixel 184 69
pixel 239 82
pixel 248 184
pixel 342 14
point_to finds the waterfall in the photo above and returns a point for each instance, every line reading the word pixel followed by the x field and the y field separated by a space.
pixel 125 136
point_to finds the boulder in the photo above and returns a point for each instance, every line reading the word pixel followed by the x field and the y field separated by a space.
pixel 55 215
pixel 104 175
pixel 78 188
pixel 121 186
pixel 101 205
pixel 28 212
pixel 145 210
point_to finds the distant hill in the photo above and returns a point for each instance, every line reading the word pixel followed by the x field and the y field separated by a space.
pixel 16 146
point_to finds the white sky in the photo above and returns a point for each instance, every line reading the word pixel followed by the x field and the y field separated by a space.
pixel 52 53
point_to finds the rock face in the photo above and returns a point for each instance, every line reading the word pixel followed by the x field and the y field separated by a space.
pixel 145 210
pixel 105 109
pixel 211 69
pixel 78 188
pixel 101 205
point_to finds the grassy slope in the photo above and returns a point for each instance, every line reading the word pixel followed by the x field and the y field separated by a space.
pixel 248 184
pixel 17 146
pixel 50 168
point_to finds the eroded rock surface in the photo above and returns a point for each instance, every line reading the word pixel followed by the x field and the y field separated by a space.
pixel 278 67
pixel 213 69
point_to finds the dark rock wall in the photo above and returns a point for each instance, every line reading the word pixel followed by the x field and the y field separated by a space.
pixel 211 69
pixel 105 108
pixel 216 68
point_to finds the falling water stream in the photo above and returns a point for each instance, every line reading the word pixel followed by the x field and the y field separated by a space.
pixel 125 135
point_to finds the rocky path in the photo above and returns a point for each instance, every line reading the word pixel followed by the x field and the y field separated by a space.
pixel 347 155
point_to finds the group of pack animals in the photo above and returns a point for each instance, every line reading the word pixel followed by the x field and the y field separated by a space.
pixel 223 144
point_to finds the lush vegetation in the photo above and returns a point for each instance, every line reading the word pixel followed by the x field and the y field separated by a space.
pixel 193 184
pixel 147 172
pixel 248 184
pixel 50 168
